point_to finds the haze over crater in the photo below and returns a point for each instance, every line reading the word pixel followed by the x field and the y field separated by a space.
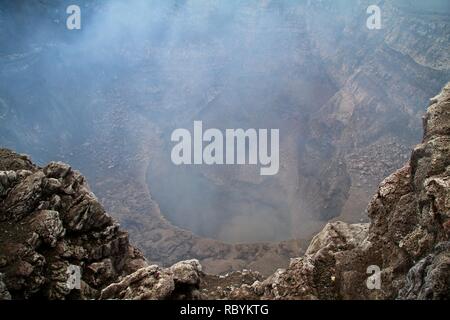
pixel 106 98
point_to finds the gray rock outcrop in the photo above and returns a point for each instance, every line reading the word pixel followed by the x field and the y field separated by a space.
pixel 50 224
pixel 406 245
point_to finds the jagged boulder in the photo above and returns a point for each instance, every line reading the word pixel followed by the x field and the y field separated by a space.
pixel 180 281
pixel 338 235
pixel 187 272
pixel 51 223
pixel 429 278
pixel 149 283
pixel 314 276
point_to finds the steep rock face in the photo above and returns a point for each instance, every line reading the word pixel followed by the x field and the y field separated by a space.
pixel 57 242
pixel 51 225
pixel 369 125
pixel 407 242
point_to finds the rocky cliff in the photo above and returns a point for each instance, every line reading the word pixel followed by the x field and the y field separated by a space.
pixel 406 242
pixel 54 231
pixel 50 221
